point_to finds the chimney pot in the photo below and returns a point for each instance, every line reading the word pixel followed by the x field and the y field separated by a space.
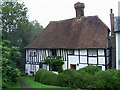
pixel 111 11
pixel 79 7
pixel 112 22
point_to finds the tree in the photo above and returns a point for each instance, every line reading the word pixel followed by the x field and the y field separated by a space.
pixel 36 29
pixel 10 55
pixel 14 15
pixel 55 62
pixel 17 29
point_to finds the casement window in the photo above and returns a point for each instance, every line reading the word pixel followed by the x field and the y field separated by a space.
pixel 83 56
pixel 92 52
pixel 53 52
pixel 71 52
pixel 32 53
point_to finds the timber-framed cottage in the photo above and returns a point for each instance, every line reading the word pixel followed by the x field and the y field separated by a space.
pixel 81 41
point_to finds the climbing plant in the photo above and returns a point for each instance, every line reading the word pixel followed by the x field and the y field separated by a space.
pixel 55 62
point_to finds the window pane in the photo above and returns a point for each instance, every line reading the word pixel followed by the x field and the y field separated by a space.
pixel 71 52
pixel 100 52
pixel 83 59
pixel 92 60
pixel 83 52
pixel 92 52
pixel 101 60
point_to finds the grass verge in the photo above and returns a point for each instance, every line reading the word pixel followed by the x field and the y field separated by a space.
pixel 33 84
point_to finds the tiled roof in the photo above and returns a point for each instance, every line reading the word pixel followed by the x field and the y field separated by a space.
pixel 86 32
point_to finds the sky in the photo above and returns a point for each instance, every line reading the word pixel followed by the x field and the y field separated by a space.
pixel 45 11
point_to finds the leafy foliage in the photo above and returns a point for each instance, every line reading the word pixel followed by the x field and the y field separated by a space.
pixel 55 62
pixel 17 29
pixel 67 78
pixel 13 14
pixel 107 79
pixel 9 57
pixel 45 77
pixel 90 69
pixel 81 78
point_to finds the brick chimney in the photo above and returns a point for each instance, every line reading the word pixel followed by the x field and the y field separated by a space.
pixel 112 22
pixel 79 7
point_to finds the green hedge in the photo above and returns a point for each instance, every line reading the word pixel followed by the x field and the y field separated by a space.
pixel 45 77
pixel 88 77
pixel 107 79
pixel 67 78
pixel 90 69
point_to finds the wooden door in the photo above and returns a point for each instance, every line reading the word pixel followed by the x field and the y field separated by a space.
pixel 73 66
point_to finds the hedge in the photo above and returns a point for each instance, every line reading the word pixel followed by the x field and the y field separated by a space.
pixel 83 78
pixel 67 78
pixel 90 69
pixel 45 77
pixel 107 79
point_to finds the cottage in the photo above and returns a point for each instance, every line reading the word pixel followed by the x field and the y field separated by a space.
pixel 81 41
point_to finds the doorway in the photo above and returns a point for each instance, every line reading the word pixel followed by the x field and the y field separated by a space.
pixel 73 66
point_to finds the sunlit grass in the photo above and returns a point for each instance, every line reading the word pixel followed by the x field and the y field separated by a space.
pixel 33 84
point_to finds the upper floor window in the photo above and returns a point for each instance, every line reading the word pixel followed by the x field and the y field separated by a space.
pixel 92 52
pixel 53 52
pixel 71 52
pixel 32 53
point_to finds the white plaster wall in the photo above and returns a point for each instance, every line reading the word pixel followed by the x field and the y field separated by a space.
pixel 72 60
pixel 82 65
pixel 101 60
pixel 64 65
pixel 83 59
pixel 103 68
pixel 28 69
pixel 118 51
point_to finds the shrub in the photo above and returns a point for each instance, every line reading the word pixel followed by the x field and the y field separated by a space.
pixel 80 79
pixel 90 69
pixel 55 62
pixel 45 77
pixel 38 74
pixel 107 79
pixel 83 80
pixel 67 78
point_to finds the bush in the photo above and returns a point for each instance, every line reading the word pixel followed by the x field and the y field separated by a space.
pixel 107 79
pixel 55 62
pixel 83 80
pixel 80 79
pixel 45 77
pixel 67 78
pixel 38 74
pixel 90 69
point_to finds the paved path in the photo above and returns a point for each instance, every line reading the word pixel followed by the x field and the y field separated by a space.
pixel 24 86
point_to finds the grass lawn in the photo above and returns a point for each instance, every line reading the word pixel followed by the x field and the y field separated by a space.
pixel 33 84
